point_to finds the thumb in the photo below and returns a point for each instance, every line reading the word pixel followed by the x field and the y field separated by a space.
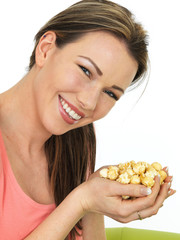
pixel 133 190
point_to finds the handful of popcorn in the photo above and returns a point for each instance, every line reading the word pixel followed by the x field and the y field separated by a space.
pixel 134 173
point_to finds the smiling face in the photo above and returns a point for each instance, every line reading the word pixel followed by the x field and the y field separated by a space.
pixel 79 83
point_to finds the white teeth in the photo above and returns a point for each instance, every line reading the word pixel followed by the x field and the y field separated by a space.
pixel 70 112
pixel 65 106
pixel 68 109
pixel 75 116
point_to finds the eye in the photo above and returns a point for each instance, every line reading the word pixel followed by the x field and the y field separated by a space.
pixel 111 94
pixel 85 70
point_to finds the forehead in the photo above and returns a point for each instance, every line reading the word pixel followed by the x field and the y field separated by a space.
pixel 109 53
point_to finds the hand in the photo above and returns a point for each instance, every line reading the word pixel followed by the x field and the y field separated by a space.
pixel 156 199
pixel 104 196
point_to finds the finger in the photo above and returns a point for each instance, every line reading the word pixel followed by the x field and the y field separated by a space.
pixel 171 192
pixel 146 206
pixel 148 212
pixel 155 192
pixel 166 169
pixel 143 202
pixel 156 187
pixel 168 179
pixel 133 190
pixel 159 202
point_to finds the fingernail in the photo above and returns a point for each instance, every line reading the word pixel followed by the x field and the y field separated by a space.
pixel 167 169
pixel 146 191
pixel 168 185
pixel 159 177
pixel 149 191
pixel 169 192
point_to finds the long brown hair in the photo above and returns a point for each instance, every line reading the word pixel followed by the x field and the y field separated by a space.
pixel 71 156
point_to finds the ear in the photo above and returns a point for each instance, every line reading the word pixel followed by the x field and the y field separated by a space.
pixel 45 46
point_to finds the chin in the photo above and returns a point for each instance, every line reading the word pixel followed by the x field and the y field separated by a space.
pixel 57 130
pixel 52 126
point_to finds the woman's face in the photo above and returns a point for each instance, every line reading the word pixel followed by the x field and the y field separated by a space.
pixel 80 83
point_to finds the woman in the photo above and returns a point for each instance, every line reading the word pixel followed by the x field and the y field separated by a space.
pixel 83 61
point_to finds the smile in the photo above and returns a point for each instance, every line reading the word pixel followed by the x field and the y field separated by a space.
pixel 72 114
pixel 70 111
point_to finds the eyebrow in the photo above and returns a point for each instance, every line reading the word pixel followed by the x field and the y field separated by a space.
pixel 94 64
pixel 118 88
pixel 100 72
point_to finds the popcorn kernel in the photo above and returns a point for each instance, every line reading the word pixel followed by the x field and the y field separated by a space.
pixel 135 173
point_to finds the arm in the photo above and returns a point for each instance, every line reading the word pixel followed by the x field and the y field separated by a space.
pixel 107 199
pixel 60 222
pixel 98 197
pixel 93 227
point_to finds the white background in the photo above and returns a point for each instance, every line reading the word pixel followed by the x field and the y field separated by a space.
pixel 147 130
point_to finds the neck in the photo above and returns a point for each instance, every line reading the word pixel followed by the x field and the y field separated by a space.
pixel 19 120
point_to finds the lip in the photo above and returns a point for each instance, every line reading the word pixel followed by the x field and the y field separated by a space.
pixel 65 115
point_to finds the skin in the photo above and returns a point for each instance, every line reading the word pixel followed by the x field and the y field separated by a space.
pixel 59 72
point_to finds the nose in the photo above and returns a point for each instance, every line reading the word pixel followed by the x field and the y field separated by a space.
pixel 88 97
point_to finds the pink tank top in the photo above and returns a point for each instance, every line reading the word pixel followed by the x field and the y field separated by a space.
pixel 19 214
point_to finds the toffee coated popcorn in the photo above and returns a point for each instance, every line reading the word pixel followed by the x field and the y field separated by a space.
pixel 134 173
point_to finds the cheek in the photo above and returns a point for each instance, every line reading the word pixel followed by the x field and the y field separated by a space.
pixel 73 79
pixel 103 107
pixel 70 81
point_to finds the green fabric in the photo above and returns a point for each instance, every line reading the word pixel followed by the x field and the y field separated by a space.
pixel 139 234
